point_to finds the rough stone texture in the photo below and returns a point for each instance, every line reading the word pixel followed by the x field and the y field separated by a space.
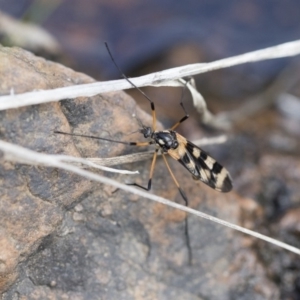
pixel 64 237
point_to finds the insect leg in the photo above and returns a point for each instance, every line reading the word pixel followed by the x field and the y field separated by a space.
pixel 153 116
pixel 186 116
pixel 186 203
pixel 126 78
pixel 148 188
pixel 140 144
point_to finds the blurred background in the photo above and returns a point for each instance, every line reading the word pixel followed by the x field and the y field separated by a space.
pixel 147 36
pixel 152 36
pixel 157 35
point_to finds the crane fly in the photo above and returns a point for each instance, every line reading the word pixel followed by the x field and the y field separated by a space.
pixel 201 166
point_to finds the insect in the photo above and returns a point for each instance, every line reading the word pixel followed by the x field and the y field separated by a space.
pixel 202 166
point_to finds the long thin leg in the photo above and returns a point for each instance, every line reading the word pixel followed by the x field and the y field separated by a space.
pixel 148 188
pixel 186 116
pixel 187 236
pixel 126 78
pixel 153 116
pixel 140 144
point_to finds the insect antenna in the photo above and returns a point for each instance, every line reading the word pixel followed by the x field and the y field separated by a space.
pixel 95 137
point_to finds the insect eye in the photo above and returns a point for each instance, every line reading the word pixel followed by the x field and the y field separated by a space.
pixel 175 144
pixel 146 131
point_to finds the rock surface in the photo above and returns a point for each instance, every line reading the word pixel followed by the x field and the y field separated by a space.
pixel 64 237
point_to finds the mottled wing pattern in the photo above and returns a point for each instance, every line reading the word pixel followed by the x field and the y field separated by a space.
pixel 202 166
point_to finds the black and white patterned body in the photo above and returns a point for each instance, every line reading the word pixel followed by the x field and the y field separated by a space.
pixel 202 166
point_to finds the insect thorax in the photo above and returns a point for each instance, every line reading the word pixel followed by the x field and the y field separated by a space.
pixel 165 139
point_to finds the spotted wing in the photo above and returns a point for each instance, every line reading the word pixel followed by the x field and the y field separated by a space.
pixel 203 167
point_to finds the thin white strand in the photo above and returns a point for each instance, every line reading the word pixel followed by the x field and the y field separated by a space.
pixel 165 77
pixel 22 155
pixel 84 161
pixel 141 156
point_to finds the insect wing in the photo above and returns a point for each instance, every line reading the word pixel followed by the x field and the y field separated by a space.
pixel 210 171
pixel 203 167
